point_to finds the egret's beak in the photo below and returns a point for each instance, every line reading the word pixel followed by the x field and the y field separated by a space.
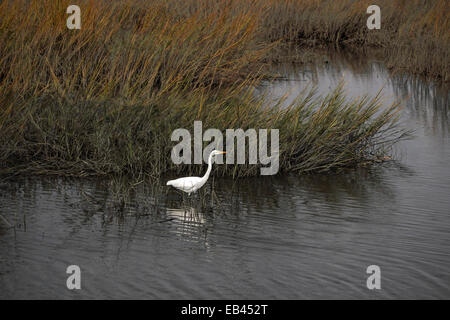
pixel 222 152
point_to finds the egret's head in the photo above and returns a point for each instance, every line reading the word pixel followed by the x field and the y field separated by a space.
pixel 216 152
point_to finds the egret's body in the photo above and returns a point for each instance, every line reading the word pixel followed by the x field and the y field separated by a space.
pixel 188 184
pixel 192 184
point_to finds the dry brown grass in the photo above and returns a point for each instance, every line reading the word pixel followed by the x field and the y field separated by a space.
pixel 414 33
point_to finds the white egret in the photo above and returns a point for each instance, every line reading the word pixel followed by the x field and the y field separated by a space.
pixel 192 184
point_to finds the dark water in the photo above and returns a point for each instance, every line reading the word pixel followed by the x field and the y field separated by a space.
pixel 270 237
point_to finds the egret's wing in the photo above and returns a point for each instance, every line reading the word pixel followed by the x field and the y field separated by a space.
pixel 186 184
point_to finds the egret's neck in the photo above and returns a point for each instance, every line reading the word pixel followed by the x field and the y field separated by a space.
pixel 206 176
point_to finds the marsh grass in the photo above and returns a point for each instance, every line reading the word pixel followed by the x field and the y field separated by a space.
pixel 414 35
pixel 82 139
pixel 105 99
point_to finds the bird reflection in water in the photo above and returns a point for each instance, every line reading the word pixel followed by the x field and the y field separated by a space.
pixel 187 214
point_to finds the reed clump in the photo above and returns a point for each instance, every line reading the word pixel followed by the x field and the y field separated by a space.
pixel 105 99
